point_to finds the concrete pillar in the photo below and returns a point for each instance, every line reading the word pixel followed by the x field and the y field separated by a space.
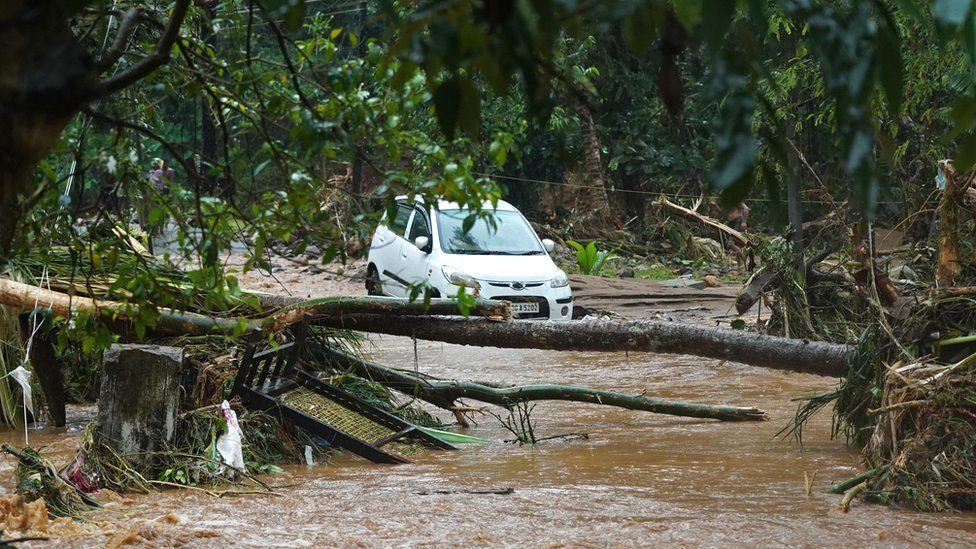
pixel 139 397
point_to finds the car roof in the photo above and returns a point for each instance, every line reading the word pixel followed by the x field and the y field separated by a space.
pixel 447 205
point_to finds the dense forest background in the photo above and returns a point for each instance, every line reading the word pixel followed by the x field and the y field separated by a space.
pixel 315 109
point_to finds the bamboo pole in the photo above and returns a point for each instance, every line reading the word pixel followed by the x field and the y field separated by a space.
pixel 443 393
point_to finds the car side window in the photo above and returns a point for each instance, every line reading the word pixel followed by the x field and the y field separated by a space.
pixel 419 227
pixel 399 225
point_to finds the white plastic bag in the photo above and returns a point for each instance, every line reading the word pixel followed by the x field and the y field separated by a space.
pixel 229 443
pixel 22 376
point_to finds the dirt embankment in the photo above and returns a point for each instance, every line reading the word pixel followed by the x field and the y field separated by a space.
pixel 627 297
pixel 641 298
pixel 302 277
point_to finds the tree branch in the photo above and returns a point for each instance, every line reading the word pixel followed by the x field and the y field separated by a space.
pixel 159 57
pixel 128 22
pixel 292 71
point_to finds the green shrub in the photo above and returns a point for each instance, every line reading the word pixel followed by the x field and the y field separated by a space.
pixel 589 260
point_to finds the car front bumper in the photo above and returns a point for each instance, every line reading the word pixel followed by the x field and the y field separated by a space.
pixel 554 303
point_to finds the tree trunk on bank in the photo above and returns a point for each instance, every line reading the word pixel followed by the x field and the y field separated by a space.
pixel 44 359
pixel 826 359
pixel 48 77
pixel 948 267
pixel 139 398
pixel 592 199
pixel 444 393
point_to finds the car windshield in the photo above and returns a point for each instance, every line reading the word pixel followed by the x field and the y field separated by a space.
pixel 509 235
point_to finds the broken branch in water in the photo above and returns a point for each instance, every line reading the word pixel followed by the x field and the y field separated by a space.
pixel 443 393
pixel 845 502
pixel 494 492
pixel 842 487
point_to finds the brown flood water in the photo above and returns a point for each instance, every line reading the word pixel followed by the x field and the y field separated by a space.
pixel 640 479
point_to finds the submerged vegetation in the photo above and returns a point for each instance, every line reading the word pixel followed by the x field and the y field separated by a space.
pixel 908 399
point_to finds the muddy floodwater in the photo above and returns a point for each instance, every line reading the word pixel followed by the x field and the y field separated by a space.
pixel 640 479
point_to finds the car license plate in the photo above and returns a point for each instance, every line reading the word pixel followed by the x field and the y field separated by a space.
pixel 525 307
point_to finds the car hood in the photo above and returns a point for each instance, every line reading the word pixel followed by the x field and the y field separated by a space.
pixel 522 268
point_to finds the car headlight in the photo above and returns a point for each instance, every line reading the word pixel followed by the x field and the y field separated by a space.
pixel 459 278
pixel 560 280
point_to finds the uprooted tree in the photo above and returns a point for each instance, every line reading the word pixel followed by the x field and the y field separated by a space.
pixel 328 311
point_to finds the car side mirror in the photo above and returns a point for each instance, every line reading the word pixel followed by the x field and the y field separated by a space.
pixel 421 242
pixel 548 244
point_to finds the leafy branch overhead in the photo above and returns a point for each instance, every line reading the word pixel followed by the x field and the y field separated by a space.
pixel 293 123
pixel 857 46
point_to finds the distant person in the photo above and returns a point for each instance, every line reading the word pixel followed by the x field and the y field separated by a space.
pixel 161 176
pixel 738 217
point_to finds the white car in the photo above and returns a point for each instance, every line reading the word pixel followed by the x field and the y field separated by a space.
pixel 428 245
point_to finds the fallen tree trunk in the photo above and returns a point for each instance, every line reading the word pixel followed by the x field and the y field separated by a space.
pixel 443 393
pixel 392 306
pixel 27 298
pixel 826 359
pixel 647 336
pixel 710 221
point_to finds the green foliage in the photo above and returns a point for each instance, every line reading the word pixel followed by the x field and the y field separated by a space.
pixel 432 99
pixel 465 300
pixel 588 258
pixel 850 54
pixel 11 356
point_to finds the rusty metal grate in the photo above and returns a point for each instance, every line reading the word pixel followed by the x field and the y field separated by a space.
pixel 347 421
pixel 340 417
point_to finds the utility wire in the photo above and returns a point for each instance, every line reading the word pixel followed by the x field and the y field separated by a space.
pixel 630 191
